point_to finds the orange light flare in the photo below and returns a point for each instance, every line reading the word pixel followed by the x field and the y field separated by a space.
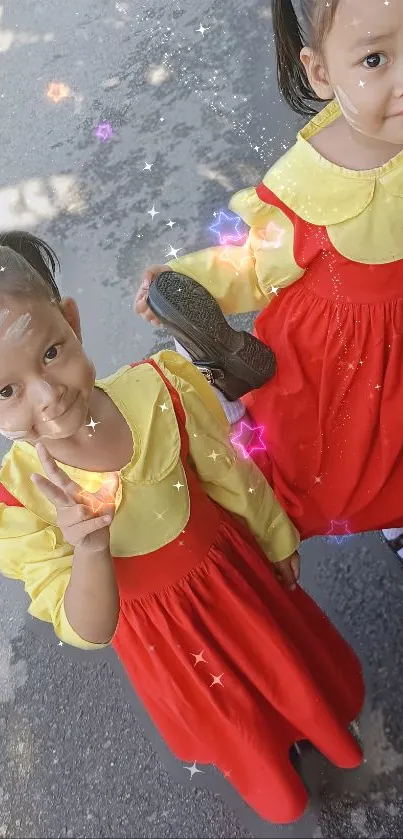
pixel 272 237
pixel 93 500
pixel 57 91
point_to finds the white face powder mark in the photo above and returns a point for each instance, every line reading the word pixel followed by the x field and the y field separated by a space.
pixel 346 105
pixel 13 435
pixel 17 329
pixel 41 388
pixel 4 313
pixel 43 393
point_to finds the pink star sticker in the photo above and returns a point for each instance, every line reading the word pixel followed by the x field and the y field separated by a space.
pixel 339 531
pixel 249 439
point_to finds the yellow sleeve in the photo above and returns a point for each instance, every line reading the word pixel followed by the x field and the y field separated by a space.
pixel 245 278
pixel 234 483
pixel 37 555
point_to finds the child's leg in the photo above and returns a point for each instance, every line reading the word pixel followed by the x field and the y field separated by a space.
pixel 234 411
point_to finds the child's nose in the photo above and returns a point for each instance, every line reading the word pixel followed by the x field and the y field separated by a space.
pixel 398 80
pixel 46 395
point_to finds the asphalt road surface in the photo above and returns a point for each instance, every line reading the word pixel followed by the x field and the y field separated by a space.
pixel 90 94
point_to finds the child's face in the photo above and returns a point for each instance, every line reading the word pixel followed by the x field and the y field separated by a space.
pixel 362 67
pixel 46 380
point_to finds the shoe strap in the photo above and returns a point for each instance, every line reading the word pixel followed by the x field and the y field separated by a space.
pixel 211 371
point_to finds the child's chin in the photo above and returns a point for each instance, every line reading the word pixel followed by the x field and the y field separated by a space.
pixel 68 426
pixel 66 429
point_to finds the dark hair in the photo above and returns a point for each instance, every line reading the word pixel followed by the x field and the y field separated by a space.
pixel 290 37
pixel 27 265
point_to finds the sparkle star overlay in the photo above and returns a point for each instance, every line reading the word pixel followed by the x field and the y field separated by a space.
pixel 173 252
pixel 202 29
pixel 249 439
pixel 91 424
pixel 194 770
pixel 228 229
pixel 198 657
pixel 216 679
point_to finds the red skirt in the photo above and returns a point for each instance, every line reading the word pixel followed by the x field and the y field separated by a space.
pixel 332 416
pixel 233 669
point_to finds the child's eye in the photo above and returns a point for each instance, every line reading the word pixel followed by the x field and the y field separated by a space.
pixel 376 59
pixel 51 353
pixel 6 392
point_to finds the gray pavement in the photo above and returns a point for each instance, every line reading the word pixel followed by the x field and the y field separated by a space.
pixel 202 108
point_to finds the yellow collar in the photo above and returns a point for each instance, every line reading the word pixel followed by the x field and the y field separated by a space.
pixel 138 393
pixel 321 192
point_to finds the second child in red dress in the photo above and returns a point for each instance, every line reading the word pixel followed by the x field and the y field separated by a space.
pixel 323 263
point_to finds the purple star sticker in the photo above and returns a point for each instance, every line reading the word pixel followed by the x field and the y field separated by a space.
pixel 227 229
pixel 104 131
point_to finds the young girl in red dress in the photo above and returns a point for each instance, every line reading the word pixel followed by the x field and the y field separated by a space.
pixel 323 263
pixel 130 520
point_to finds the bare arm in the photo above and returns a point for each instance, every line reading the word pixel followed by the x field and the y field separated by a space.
pixel 91 601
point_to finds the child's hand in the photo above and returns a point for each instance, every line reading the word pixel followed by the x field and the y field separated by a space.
pixel 140 301
pixel 287 571
pixel 82 517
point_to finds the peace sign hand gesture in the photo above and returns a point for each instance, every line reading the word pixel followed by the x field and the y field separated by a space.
pixel 83 517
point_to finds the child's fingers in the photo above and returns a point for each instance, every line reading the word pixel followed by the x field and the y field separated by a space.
pixel 56 475
pixel 149 316
pixel 152 272
pixel 56 495
pixel 142 308
pixel 107 492
pixel 86 528
pixel 285 573
pixel 295 565
pixel 140 301
pixel 142 291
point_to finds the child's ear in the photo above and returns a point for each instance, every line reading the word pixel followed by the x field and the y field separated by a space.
pixel 317 75
pixel 69 310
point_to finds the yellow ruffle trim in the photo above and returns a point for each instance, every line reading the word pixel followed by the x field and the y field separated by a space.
pixel 360 209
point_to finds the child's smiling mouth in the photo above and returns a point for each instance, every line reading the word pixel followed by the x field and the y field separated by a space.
pixel 62 413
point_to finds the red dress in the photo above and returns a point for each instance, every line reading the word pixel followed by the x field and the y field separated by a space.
pixel 333 414
pixel 232 668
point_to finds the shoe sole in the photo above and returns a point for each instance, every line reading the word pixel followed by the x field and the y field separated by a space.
pixel 177 301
